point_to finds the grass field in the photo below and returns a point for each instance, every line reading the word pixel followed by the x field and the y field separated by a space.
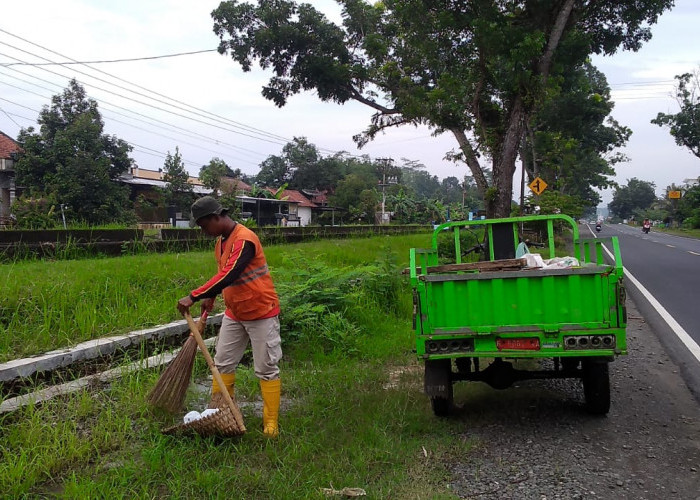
pixel 353 410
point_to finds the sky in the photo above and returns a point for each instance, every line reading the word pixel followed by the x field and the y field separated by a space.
pixel 206 106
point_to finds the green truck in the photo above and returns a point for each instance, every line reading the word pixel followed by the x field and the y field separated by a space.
pixel 472 320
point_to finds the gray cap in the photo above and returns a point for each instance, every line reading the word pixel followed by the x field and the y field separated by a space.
pixel 207 206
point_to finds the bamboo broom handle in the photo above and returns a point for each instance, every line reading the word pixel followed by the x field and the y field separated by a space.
pixel 215 371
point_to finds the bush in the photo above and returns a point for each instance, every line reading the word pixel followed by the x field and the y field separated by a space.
pixel 468 238
pixel 35 213
pixel 330 308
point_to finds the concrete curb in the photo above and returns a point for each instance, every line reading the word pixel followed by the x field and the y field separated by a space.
pixel 92 349
pixel 13 404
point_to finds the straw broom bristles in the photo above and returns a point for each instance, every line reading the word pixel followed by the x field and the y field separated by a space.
pixel 170 390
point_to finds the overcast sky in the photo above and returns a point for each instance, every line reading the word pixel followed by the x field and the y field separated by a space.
pixel 216 110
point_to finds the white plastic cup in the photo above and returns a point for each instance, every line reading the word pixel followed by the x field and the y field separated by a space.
pixel 192 416
pixel 209 411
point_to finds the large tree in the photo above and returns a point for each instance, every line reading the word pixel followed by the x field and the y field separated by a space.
pixel 571 142
pixel 476 69
pixel 632 199
pixel 71 160
pixel 684 126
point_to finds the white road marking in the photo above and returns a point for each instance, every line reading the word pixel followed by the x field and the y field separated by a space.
pixel 694 253
pixel 680 332
pixel 670 246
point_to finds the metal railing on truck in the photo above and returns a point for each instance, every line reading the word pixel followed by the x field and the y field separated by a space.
pixel 503 237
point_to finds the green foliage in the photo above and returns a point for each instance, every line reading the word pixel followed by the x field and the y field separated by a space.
pixel 478 70
pixel 689 208
pixel 684 126
pixel 328 307
pixel 554 202
pixel 636 196
pixel 347 193
pixel 212 174
pixel 34 213
pixel 178 191
pixel 468 239
pixel 571 141
pixel 73 162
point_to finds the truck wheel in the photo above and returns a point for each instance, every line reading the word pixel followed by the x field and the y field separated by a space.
pixel 438 385
pixel 596 386
pixel 441 406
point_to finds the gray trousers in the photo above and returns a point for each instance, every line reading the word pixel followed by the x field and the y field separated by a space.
pixel 264 336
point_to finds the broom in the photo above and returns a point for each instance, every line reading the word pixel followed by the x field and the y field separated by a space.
pixel 170 390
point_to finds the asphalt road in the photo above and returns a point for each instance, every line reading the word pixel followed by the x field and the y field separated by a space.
pixel 668 269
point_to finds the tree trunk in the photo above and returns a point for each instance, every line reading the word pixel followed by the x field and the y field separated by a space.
pixel 472 161
pixel 499 200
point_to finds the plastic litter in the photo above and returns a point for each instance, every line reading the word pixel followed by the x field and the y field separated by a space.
pixel 535 260
pixel 192 416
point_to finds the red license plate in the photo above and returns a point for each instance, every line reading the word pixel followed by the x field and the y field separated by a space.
pixel 530 344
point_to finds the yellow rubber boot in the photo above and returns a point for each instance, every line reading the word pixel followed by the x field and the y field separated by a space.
pixel 270 390
pixel 217 399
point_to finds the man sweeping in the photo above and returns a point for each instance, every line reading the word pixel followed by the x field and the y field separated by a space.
pixel 252 307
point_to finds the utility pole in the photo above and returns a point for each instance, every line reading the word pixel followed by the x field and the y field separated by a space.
pixel 386 181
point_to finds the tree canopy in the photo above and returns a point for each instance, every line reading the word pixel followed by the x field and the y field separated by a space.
pixel 178 191
pixel 684 126
pixel 571 141
pixel 212 174
pixel 632 199
pixel 73 162
pixel 476 69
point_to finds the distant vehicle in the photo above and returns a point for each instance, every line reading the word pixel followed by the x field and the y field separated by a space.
pixel 646 226
pixel 598 227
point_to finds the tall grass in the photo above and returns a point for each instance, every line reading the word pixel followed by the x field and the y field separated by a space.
pixel 342 423
pixel 47 305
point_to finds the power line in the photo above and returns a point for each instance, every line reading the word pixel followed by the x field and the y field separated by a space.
pixel 238 124
pixel 167 126
pixel 162 154
pixel 148 58
pixel 199 110
pixel 656 82
pixel 143 95
pixel 12 119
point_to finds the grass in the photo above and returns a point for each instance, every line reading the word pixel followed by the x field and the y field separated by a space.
pixel 689 233
pixel 53 304
pixel 343 423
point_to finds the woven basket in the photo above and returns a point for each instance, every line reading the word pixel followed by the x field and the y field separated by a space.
pixel 222 423
pixel 228 421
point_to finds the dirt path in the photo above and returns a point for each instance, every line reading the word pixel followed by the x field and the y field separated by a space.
pixel 532 443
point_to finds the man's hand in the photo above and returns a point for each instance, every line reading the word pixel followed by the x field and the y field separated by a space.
pixel 184 304
pixel 207 304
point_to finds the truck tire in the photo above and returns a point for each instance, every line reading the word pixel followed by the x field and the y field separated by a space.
pixel 441 406
pixel 596 386
pixel 438 385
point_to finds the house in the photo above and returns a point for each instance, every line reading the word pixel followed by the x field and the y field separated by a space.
pixel 299 208
pixel 232 184
pixel 143 180
pixel 144 185
pixel 291 208
pixel 9 153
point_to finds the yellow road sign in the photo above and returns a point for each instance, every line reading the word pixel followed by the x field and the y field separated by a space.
pixel 674 195
pixel 537 186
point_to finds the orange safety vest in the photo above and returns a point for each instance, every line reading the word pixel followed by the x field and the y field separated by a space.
pixel 252 296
